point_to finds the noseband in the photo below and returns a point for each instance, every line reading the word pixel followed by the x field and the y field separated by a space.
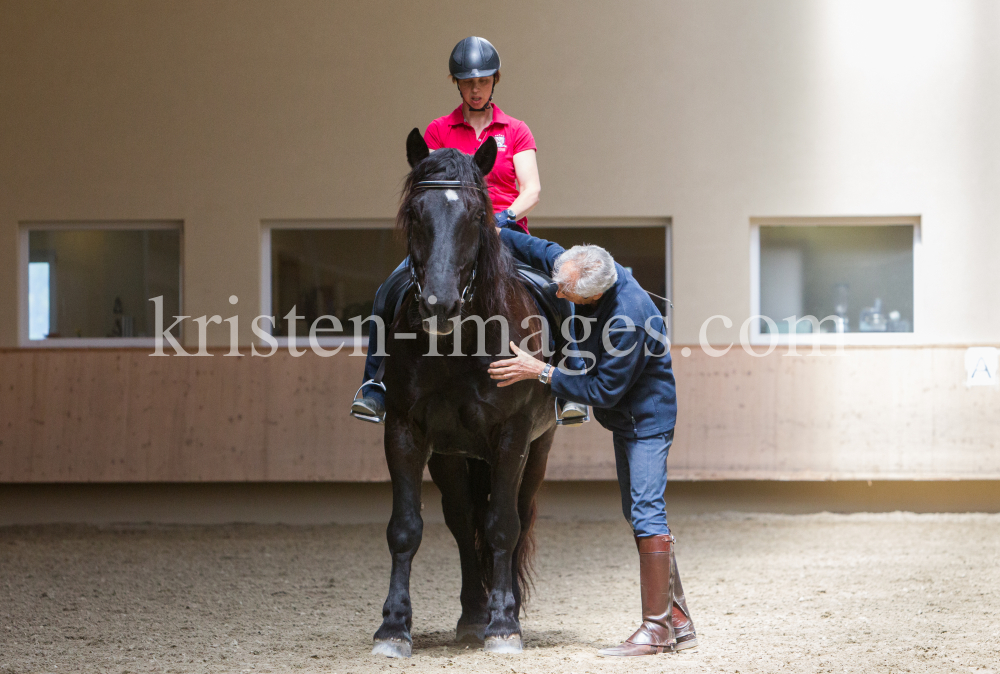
pixel 468 292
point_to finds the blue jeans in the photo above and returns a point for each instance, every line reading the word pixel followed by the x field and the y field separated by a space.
pixel 642 479
pixel 372 362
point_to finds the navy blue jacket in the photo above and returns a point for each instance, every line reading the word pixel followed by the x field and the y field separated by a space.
pixel 632 393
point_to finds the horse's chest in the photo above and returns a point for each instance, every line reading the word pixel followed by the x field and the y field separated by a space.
pixel 452 407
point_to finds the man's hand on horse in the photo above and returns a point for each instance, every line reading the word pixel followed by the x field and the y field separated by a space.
pixel 522 366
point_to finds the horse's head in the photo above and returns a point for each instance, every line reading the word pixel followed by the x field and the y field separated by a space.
pixel 446 216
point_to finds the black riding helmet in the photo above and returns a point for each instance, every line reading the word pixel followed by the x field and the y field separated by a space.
pixel 474 57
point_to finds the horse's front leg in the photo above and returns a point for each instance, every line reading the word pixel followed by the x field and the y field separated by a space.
pixel 503 528
pixel 453 477
pixel 406 465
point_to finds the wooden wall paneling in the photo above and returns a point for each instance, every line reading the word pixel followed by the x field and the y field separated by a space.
pixel 290 433
pixel 16 383
pixel 965 421
pixel 97 400
pixel 218 439
pixel 582 453
pixel 236 436
pixel 120 415
pixel 308 424
pixel 343 445
pixel 77 405
pixel 157 414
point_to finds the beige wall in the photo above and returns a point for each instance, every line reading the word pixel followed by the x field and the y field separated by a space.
pixel 222 114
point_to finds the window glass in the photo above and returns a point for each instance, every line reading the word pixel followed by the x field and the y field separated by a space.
pixel 95 283
pixel 861 275
pixel 38 300
pixel 329 272
pixel 642 250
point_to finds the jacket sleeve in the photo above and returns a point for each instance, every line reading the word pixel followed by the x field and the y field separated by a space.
pixel 530 250
pixel 604 384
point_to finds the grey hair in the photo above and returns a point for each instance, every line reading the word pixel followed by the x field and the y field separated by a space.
pixel 596 270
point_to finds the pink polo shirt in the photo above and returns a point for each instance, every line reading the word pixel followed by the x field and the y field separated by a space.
pixel 512 136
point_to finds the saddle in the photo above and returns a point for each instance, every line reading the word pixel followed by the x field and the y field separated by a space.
pixel 394 290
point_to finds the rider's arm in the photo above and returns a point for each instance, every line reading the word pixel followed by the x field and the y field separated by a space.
pixel 529 186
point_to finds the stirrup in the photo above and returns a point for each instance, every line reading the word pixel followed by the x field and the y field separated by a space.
pixel 373 418
pixel 572 421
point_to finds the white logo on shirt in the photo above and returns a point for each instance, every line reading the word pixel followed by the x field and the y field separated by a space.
pixel 501 143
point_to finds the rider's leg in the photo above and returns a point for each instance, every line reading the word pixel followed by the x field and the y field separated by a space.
pixel 569 413
pixel 369 402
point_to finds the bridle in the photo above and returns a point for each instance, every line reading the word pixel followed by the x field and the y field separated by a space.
pixel 468 292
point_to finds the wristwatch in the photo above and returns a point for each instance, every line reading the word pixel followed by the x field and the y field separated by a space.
pixel 545 376
pixel 511 215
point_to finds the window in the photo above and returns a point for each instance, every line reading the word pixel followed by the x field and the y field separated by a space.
pixel 334 267
pixel 855 276
pixel 90 284
pixel 326 269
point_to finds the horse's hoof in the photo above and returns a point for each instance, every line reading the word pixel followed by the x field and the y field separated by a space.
pixel 503 645
pixel 470 632
pixel 393 648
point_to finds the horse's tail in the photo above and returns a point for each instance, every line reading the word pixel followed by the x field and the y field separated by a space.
pixel 524 553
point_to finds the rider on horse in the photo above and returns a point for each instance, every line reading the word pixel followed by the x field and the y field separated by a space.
pixel 513 186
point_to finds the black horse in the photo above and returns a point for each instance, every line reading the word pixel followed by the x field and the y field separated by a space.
pixel 486 447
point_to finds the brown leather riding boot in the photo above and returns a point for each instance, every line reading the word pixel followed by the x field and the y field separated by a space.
pixel 656 576
pixel 680 616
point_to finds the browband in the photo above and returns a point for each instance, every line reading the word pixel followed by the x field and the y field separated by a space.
pixel 442 184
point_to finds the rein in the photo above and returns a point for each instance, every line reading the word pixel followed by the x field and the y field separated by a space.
pixel 468 292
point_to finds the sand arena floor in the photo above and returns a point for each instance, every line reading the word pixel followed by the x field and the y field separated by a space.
pixel 769 593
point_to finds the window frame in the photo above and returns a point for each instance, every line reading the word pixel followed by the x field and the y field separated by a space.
pixel 757 338
pixel 267 226
pixel 24 253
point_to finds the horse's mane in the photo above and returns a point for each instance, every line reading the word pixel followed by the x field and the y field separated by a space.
pixel 496 284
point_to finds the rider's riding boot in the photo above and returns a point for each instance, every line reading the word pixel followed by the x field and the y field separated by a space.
pixel 371 405
pixel 681 617
pixel 569 413
pixel 656 633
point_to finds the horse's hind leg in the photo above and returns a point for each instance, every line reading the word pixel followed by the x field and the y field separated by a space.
pixel 451 475
pixel 406 466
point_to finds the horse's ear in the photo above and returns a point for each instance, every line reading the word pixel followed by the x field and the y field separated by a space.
pixel 416 148
pixel 486 156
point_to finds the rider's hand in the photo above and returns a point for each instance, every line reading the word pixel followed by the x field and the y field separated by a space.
pixel 503 221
